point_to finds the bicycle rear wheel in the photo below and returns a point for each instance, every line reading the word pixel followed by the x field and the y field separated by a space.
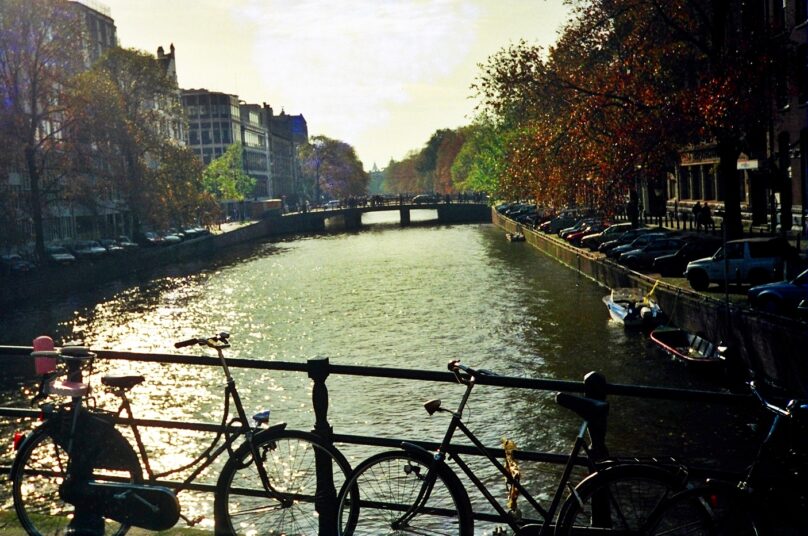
pixel 388 487
pixel 619 499
pixel 296 507
pixel 38 471
pixel 702 511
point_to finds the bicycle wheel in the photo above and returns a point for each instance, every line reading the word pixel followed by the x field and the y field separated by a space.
pixel 703 511
pixel 388 487
pixel 297 508
pixel 621 498
pixel 38 471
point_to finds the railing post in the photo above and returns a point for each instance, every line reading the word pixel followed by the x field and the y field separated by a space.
pixel 325 498
pixel 595 387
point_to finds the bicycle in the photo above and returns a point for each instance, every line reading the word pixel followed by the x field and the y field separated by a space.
pixel 770 498
pixel 414 491
pixel 76 472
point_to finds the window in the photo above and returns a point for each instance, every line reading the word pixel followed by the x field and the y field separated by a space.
pixel 734 250
pixel 206 137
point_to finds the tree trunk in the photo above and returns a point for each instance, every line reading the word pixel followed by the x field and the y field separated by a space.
pixel 36 202
pixel 728 176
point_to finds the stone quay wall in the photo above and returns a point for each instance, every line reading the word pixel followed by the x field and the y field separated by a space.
pixel 772 345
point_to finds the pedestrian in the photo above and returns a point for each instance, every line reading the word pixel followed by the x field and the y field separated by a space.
pixel 707 218
pixel 697 215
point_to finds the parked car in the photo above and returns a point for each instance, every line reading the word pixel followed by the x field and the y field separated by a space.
pixel 609 233
pixel 639 242
pixel 782 297
pixel 750 260
pixel 59 255
pixel 591 228
pixel 424 199
pixel 674 264
pixel 170 238
pixel 126 243
pixel 87 249
pixel 111 246
pixel 642 258
pixel 624 238
pixel 579 225
pixel 150 238
pixel 13 263
pixel 562 221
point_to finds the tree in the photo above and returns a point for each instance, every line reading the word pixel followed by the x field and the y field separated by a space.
pixel 332 167
pixel 127 107
pixel 224 178
pixel 39 52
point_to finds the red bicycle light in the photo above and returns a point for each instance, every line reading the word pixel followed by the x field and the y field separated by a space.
pixel 18 437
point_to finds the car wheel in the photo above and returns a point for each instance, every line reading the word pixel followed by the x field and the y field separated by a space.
pixel 698 280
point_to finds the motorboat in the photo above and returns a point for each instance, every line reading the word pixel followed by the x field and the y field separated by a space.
pixel 632 308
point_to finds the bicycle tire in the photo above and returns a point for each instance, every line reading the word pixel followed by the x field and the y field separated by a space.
pixel 703 511
pixel 387 483
pixel 289 457
pixel 36 474
pixel 632 493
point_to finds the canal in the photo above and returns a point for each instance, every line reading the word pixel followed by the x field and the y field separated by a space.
pixel 412 297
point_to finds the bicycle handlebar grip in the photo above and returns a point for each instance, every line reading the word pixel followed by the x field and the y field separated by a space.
pixel 183 344
pixel 454 364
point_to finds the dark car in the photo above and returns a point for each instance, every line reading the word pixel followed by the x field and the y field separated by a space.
pixel 674 264
pixel 87 249
pixel 424 199
pixel 589 229
pixel 642 258
pixel 781 297
pixel 59 255
pixel 639 242
pixel 593 241
pixel 126 243
pixel 625 238
pixel 111 246
pixel 14 264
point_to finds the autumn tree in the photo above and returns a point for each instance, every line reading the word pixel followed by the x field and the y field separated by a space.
pixel 225 178
pixel 331 167
pixel 39 52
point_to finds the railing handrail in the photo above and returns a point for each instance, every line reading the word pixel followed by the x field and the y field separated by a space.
pixel 643 391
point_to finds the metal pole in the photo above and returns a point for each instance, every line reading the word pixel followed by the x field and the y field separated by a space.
pixel 325 498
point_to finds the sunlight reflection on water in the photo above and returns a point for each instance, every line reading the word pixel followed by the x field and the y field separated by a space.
pixel 410 298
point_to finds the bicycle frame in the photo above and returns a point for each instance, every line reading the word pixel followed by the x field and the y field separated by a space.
pixel 446 450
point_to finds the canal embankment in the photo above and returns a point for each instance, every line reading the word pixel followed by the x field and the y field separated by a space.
pixel 772 345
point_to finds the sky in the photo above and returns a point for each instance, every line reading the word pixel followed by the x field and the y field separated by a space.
pixel 381 75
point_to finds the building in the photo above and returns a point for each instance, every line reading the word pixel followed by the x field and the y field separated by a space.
pixel 774 168
pixel 217 120
pixel 287 133
pixel 100 31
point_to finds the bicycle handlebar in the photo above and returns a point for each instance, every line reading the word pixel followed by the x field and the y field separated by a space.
pixel 222 339
pixel 455 367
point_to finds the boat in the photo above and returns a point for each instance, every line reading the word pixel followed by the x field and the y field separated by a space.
pixel 687 347
pixel 630 307
pixel 515 237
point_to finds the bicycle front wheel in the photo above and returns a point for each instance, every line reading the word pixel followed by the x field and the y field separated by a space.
pixel 400 492
pixel 619 499
pixel 38 471
pixel 297 503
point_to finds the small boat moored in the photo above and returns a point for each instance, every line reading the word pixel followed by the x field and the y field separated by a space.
pixel 632 308
pixel 515 237
pixel 687 347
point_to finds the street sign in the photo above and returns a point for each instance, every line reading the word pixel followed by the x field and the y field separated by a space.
pixel 747 164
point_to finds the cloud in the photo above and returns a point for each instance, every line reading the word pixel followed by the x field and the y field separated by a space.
pixel 345 64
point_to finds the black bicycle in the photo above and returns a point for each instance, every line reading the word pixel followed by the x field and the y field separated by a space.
pixel 415 491
pixel 770 499
pixel 77 472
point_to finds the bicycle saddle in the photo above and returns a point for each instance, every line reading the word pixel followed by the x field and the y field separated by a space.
pixel 122 382
pixel 588 409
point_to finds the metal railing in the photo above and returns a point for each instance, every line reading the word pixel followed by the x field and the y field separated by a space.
pixel 319 370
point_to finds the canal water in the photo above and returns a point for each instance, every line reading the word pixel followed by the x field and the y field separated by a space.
pixel 386 296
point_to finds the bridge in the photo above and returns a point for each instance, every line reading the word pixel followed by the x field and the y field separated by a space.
pixel 351 217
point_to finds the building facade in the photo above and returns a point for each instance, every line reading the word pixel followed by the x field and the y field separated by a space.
pixel 773 171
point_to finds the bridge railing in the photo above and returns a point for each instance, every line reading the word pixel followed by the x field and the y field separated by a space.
pixel 320 369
